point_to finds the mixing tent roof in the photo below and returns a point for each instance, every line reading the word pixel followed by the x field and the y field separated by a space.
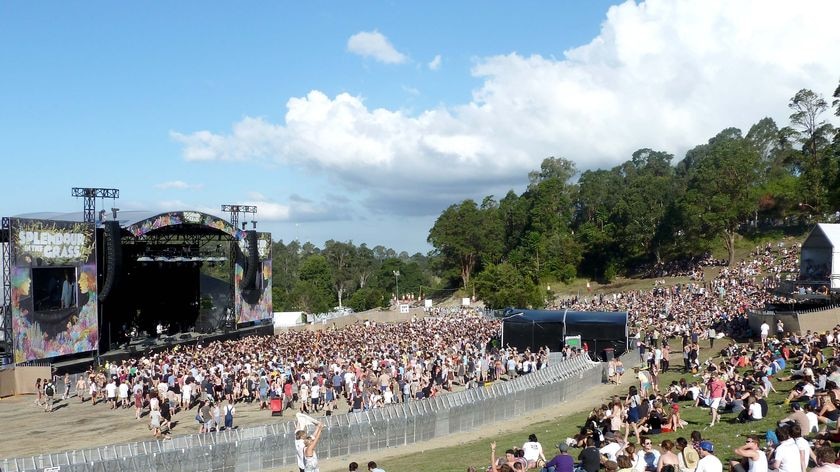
pixel 824 235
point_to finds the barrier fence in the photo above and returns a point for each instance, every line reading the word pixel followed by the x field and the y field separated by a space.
pixel 272 446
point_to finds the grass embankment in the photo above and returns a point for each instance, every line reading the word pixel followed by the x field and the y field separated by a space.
pixel 726 436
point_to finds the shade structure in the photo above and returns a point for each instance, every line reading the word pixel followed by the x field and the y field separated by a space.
pixel 601 331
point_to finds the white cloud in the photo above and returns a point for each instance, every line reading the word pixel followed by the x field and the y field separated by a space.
pixel 435 63
pixel 661 74
pixel 375 45
pixel 177 185
pixel 270 211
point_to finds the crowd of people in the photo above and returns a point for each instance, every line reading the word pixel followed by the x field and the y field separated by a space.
pixel 369 365
pixel 734 385
pixel 355 368
pixel 701 309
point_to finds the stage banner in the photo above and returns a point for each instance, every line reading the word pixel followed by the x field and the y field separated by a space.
pixel 174 218
pixel 54 293
pixel 254 304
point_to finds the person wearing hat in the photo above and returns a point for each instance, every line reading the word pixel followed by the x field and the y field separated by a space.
pixel 708 462
pixel 562 462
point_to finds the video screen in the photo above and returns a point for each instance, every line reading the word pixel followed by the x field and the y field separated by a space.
pixel 53 288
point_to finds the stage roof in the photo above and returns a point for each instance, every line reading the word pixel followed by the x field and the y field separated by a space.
pixel 125 217
pixel 558 316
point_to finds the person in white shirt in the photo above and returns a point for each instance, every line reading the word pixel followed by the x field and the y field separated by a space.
pixel 111 393
pixel 611 447
pixel 765 331
pixel 532 451
pixel 813 419
pixel 756 458
pixel 708 462
pixel 299 447
pixel 787 458
pixel 123 392
pixel 647 458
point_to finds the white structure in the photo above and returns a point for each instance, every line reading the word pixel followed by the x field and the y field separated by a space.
pixel 285 319
pixel 820 258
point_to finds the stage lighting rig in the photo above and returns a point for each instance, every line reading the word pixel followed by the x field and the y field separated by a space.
pixel 235 210
pixel 90 194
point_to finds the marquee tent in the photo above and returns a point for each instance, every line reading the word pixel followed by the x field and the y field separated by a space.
pixel 601 331
pixel 820 259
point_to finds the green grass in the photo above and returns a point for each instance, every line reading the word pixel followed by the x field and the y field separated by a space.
pixel 726 436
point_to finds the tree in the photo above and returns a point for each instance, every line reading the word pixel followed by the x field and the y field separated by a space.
pixel 720 194
pixel 367 298
pixel 340 256
pixel 460 238
pixel 285 262
pixel 364 265
pixel 814 134
pixel 503 286
pixel 646 192
pixel 556 168
pixel 313 291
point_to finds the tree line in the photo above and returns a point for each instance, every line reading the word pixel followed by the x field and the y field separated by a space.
pixel 644 211
pixel 341 274
pixel 596 224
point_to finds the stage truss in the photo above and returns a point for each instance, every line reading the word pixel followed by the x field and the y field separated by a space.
pixel 7 342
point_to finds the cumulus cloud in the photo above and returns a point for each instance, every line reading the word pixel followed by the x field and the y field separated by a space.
pixel 660 74
pixel 375 45
pixel 177 185
pixel 435 63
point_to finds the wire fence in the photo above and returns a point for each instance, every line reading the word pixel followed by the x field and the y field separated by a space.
pixel 272 446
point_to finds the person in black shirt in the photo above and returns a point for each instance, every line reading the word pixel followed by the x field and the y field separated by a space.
pixel 589 457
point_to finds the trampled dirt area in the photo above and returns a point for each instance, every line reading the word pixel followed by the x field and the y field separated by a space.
pixel 75 425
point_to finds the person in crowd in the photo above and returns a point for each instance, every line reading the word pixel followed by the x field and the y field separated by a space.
pixel 753 459
pixel 310 457
pixel 688 455
pixel 708 462
pixel 562 462
pixel 533 451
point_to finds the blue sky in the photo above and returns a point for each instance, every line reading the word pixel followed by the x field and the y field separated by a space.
pixel 362 121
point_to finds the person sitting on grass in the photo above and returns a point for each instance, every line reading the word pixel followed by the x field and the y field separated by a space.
pixel 803 391
pixel 562 462
pixel 752 457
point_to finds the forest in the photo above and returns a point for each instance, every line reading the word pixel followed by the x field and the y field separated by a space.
pixel 597 224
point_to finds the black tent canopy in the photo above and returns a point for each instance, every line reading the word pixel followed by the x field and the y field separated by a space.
pixel 601 330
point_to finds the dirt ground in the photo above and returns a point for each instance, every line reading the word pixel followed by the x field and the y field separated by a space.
pixel 75 425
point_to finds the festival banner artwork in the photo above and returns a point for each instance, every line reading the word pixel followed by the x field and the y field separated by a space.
pixel 54 293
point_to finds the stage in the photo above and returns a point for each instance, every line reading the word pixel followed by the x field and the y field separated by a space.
pixel 78 288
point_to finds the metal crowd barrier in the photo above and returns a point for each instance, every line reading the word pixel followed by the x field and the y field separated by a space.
pixel 270 446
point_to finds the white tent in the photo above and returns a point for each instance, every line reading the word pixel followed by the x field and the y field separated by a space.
pixel 820 258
